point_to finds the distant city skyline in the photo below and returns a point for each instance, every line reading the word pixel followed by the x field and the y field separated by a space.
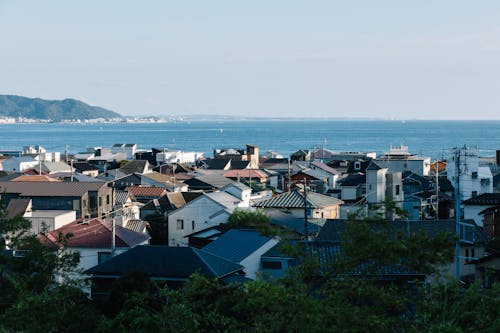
pixel 336 59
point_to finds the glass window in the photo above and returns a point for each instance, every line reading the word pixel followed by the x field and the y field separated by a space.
pixel 103 256
pixel 271 264
pixel 180 224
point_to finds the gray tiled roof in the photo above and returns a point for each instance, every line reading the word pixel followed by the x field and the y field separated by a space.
pixel 295 199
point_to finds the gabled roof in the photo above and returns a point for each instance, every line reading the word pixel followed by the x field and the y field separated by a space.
pixel 34 178
pixel 247 173
pixel 146 191
pixel 166 262
pixel 85 167
pixel 239 165
pixel 236 245
pixel 485 199
pixel 167 180
pixel 136 225
pixel 47 189
pixel 219 164
pixel 17 207
pixel 373 166
pixel 52 167
pixel 354 179
pixel 212 181
pixel 324 167
pixel 139 166
pixel 121 197
pixel 95 234
pixel 295 199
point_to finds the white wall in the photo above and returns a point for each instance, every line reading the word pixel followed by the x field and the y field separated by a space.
pixel 252 262
pixel 202 211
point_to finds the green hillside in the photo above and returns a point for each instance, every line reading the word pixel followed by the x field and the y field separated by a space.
pixel 37 108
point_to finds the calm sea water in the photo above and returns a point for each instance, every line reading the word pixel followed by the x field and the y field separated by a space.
pixel 432 138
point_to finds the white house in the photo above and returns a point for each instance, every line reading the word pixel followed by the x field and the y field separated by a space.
pixel 206 211
pixel 398 159
pixel 19 164
pixel 475 179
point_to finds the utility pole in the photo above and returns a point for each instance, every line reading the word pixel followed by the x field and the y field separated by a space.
pixel 306 227
pixel 436 170
pixel 457 212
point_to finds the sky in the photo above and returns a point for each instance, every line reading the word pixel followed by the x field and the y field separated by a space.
pixel 421 59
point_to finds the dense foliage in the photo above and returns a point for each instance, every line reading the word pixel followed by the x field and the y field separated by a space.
pixel 33 298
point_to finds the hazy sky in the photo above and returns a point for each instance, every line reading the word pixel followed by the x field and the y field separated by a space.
pixel 392 59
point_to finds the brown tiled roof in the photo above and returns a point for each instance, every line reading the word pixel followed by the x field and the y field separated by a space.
pixel 146 191
pixel 246 173
pixel 165 179
pixel 34 178
pixel 95 234
pixel 50 189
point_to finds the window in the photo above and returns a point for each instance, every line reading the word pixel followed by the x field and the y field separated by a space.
pixel 397 189
pixel 466 255
pixel 180 224
pixel 107 199
pixel 271 264
pixel 474 193
pixel 100 201
pixel 472 253
pixel 357 166
pixel 192 225
pixel 103 256
pixel 474 174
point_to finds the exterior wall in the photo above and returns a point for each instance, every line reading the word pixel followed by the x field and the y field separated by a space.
pixel 472 212
pixel 277 272
pixel 350 192
pixel 252 262
pixel 202 211
pixel 375 185
pixel 475 179
pixel 13 165
pixel 466 268
pixel 243 195
pixel 49 220
pixel 418 165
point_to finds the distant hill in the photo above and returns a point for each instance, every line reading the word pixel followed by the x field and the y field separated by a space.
pixel 37 108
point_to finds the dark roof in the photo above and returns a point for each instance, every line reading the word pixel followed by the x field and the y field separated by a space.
pixel 295 199
pixel 485 199
pixel 332 230
pixel 363 164
pixel 50 189
pixel 134 166
pixel 354 179
pixel 236 245
pixel 373 166
pixel 84 167
pixel 17 207
pixel 218 163
pixel 95 234
pixel 239 165
pixel 288 221
pixel 166 262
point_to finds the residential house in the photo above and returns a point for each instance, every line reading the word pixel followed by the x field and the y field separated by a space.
pixel 167 181
pixel 86 198
pixel 55 167
pixel 382 184
pixel 247 175
pixel 92 238
pixel 399 159
pixel 319 206
pixel 128 149
pixel 86 169
pixel 244 247
pixel 206 211
pixel 475 179
pixel 167 266
pixel 475 207
pixel 19 164
pixel 250 154
pixel 144 194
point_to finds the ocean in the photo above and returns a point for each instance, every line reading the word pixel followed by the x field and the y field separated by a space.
pixel 430 138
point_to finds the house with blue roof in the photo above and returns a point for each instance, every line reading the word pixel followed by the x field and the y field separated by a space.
pixel 244 247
